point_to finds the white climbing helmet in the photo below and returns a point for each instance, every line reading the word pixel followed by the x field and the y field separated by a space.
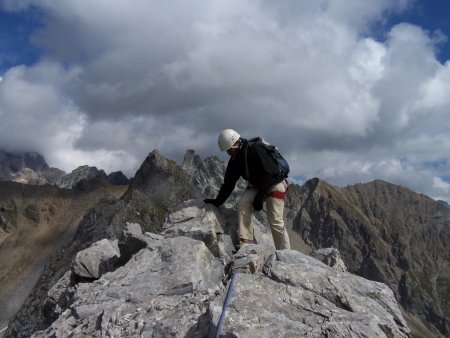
pixel 227 138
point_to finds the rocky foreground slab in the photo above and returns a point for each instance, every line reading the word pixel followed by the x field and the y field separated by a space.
pixel 175 284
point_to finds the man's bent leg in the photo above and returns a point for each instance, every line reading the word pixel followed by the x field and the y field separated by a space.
pixel 275 209
pixel 245 212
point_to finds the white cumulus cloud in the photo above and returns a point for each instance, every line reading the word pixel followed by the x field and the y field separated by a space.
pixel 117 79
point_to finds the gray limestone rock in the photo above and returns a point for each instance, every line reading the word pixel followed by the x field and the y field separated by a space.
pixel 162 291
pixel 96 260
pixel 331 257
pixel 171 285
pixel 347 291
pixel 133 240
pixel 59 297
pixel 200 221
pixel 306 298
pixel 250 258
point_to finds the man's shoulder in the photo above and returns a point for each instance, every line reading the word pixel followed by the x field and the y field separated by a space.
pixel 256 146
pixel 254 140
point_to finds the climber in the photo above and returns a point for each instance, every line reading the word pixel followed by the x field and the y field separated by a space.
pixel 254 164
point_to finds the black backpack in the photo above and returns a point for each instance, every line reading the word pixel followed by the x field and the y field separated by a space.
pixel 272 151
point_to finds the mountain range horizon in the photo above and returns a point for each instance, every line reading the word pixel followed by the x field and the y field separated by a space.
pixel 25 156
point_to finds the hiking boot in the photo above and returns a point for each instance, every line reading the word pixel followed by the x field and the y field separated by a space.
pixel 246 241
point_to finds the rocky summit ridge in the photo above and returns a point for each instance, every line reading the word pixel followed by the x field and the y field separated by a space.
pixel 174 284
pixel 164 201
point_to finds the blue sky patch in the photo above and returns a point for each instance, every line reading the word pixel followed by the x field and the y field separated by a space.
pixel 15 45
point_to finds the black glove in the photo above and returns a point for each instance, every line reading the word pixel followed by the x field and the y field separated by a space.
pixel 258 202
pixel 212 201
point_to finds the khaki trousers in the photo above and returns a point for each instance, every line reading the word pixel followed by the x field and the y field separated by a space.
pixel 274 211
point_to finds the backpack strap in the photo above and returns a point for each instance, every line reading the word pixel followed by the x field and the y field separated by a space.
pixel 247 174
pixel 250 142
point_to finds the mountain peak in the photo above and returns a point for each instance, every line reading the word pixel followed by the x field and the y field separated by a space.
pixel 82 173
pixel 163 179
pixel 191 161
pixel 27 168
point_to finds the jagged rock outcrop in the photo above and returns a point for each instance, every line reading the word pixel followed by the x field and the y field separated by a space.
pixel 176 286
pixel 84 176
pixel 191 162
pixel 331 257
pixel 27 168
pixel 164 180
pixel 118 178
pixel 385 233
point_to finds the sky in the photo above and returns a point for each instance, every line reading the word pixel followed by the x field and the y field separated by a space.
pixel 349 90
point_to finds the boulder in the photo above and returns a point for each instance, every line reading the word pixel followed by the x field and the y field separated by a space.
pixel 132 241
pixel 96 260
pixel 331 257
pixel 197 220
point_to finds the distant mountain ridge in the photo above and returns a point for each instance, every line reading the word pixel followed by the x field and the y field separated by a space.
pixel 385 233
pixel 31 168
pixel 28 168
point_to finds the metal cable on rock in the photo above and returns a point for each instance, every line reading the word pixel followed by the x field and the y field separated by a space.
pixel 225 304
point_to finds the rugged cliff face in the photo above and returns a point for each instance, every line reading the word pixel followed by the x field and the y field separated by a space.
pixel 164 180
pixel 34 222
pixel 385 233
